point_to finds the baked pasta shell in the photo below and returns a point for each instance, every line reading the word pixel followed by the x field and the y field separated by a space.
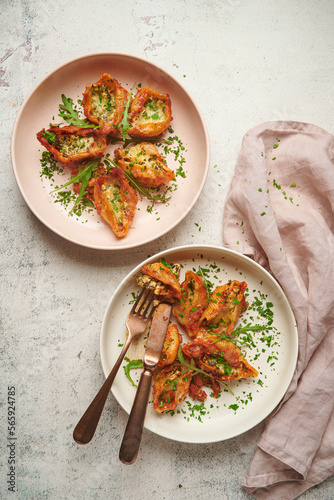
pixel 150 112
pixel 104 103
pixel 223 359
pixel 227 302
pixel 194 300
pixel 170 386
pixel 70 144
pixel 171 346
pixel 115 200
pixel 163 274
pixel 144 162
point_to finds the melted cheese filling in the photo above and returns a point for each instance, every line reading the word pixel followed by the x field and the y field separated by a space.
pixel 103 103
pixel 147 282
pixel 153 111
pixel 73 144
pixel 113 194
pixel 148 161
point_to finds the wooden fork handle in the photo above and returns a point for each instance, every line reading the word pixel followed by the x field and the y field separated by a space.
pixel 86 427
pixel 134 429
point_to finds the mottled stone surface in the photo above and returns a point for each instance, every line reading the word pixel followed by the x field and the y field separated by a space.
pixel 244 62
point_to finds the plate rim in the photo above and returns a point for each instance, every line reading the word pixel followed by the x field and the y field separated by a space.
pixel 198 248
pixel 22 188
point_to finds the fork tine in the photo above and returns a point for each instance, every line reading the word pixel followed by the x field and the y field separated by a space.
pixel 143 302
pixel 140 296
pixel 149 300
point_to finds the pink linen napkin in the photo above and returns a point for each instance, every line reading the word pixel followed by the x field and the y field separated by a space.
pixel 280 211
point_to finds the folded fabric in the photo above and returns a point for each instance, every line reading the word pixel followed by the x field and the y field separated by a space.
pixel 283 192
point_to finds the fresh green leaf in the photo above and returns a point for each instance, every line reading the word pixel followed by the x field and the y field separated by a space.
pixel 239 330
pixel 165 263
pixel 68 112
pixel 84 175
pixel 136 185
pixel 234 407
pixel 192 366
pixel 125 124
pixel 132 364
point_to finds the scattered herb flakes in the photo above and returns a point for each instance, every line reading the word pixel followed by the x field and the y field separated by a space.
pixel 174 146
pixel 134 297
pixel 255 334
pixel 196 410
pixel 49 166
pixel 179 171
pixel 284 193
pixel 71 114
pixel 233 407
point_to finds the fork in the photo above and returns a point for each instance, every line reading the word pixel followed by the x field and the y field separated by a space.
pixel 136 323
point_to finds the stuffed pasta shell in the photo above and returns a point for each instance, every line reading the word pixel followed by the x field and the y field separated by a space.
pixel 171 346
pixel 150 112
pixel 104 103
pixel 144 162
pixel 194 300
pixel 115 200
pixel 170 386
pixel 227 302
pixel 71 144
pixel 220 357
pixel 162 279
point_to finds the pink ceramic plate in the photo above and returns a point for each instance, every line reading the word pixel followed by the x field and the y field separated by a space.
pixel 41 107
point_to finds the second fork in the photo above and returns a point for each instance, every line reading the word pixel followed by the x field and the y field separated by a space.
pixel 136 323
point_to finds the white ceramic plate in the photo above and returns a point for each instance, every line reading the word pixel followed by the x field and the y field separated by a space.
pixel 255 398
pixel 41 107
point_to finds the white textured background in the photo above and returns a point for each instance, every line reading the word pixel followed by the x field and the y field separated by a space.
pixel 244 62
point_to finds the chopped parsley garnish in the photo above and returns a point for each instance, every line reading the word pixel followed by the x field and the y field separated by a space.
pixel 83 177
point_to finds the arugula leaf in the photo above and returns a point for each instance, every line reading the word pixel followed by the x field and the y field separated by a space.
pixel 84 174
pixel 241 329
pixel 249 328
pixel 165 263
pixel 201 370
pixel 132 364
pixel 125 124
pixel 68 112
pixel 143 191
pixel 191 366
